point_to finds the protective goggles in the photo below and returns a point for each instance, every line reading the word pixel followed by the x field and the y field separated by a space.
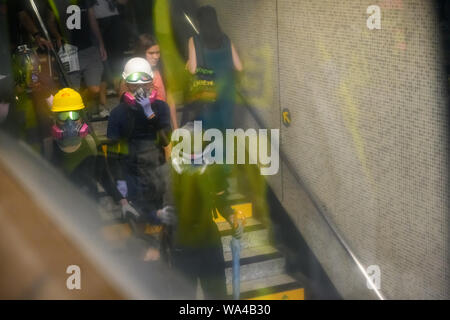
pixel 72 115
pixel 139 77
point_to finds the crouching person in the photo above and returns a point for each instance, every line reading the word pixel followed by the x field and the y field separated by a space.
pixel 139 130
pixel 74 150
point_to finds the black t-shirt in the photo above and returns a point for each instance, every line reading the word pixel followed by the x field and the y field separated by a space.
pixel 128 123
pixel 81 38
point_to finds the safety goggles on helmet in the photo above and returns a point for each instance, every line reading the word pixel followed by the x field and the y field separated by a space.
pixel 72 115
pixel 139 77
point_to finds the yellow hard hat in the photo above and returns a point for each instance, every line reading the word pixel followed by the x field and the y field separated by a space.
pixel 67 100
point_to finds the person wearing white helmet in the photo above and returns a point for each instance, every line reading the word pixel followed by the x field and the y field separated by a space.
pixel 139 128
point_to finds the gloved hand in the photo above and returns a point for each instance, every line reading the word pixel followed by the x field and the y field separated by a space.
pixel 146 105
pixel 127 209
pixel 122 187
pixel 167 215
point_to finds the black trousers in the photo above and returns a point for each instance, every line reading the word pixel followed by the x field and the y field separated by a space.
pixel 204 263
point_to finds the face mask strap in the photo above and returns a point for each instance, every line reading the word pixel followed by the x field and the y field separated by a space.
pixel 84 130
pixel 58 133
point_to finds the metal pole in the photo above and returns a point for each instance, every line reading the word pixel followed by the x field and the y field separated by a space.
pixel 191 23
pixel 66 79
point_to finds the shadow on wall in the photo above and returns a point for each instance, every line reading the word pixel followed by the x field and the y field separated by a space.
pixel 301 262
pixel 443 12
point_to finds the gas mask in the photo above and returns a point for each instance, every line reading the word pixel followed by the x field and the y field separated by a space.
pixel 141 92
pixel 130 98
pixel 70 133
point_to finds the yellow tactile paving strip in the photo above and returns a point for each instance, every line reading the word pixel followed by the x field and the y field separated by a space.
pixel 296 294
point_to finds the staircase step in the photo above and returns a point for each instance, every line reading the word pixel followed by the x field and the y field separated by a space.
pixel 251 253
pixel 251 225
pixel 254 236
pixel 109 210
pixel 256 267
pixel 117 230
pixel 100 127
pixel 233 194
pixel 278 287
pixel 245 207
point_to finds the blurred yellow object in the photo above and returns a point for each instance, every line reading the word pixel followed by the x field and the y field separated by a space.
pixel 245 210
pixel 296 294
pixel 238 216
pixel 67 100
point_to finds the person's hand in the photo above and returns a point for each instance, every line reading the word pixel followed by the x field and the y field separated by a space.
pixel 127 209
pixel 43 43
pixel 238 230
pixel 167 215
pixel 59 43
pixel 151 254
pixel 103 53
pixel 237 226
pixel 146 106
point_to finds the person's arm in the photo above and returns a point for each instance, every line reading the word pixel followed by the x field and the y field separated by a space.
pixel 96 31
pixel 163 124
pixel 52 27
pixel 27 22
pixel 226 211
pixel 173 111
pixel 164 128
pixel 192 59
pixel 116 163
pixel 236 60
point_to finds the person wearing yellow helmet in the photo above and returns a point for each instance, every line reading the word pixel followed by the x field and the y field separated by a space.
pixel 69 128
pixel 74 149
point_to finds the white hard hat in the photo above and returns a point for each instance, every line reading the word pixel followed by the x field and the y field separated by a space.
pixel 139 69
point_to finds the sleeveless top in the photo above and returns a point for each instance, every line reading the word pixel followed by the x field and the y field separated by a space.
pixel 220 60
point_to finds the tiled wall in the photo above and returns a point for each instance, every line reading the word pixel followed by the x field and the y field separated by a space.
pixel 368 132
